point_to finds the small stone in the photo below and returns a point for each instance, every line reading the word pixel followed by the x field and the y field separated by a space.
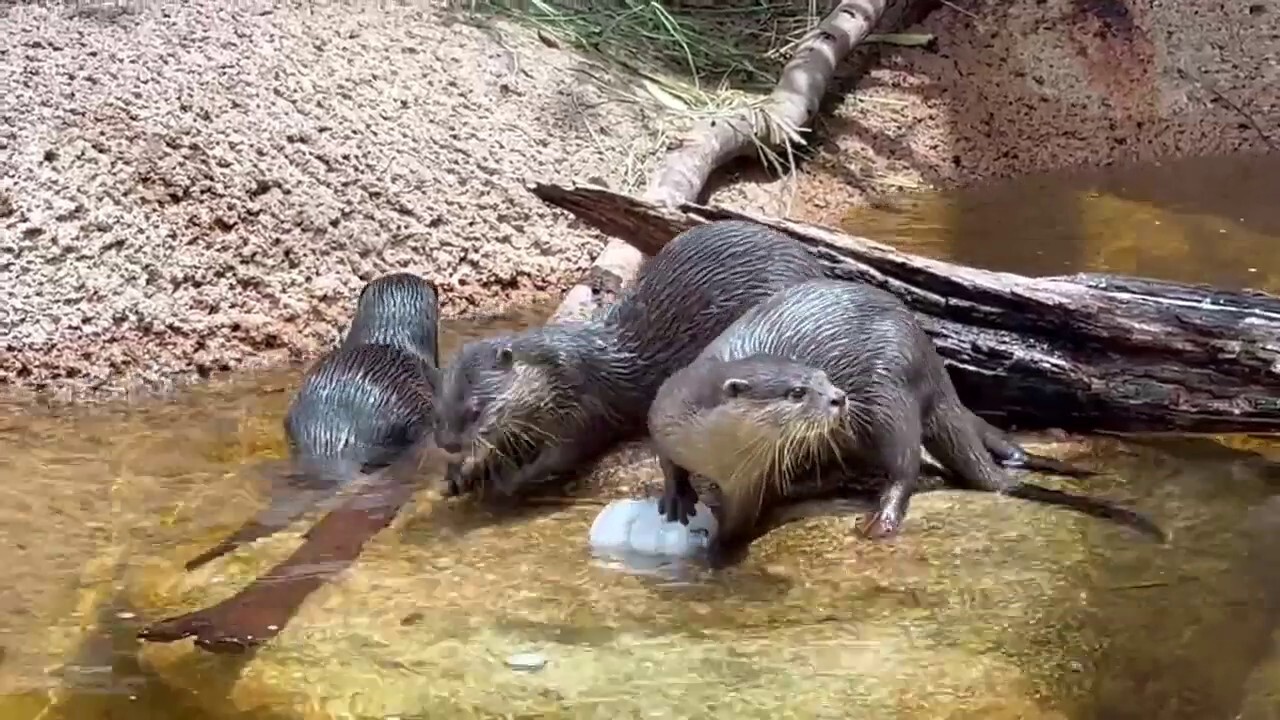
pixel 528 662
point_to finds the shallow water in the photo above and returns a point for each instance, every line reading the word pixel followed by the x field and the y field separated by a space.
pixel 984 608
pixel 1212 220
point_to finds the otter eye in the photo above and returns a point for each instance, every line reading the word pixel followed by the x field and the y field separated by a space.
pixel 797 393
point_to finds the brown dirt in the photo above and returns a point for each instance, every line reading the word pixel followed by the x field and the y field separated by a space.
pixel 203 186
pixel 195 187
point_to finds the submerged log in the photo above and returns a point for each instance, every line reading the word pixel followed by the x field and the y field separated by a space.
pixel 1084 353
pixel 261 610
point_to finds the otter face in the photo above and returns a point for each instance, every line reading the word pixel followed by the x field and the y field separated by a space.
pixel 402 310
pixel 782 393
pixel 501 390
pixel 756 417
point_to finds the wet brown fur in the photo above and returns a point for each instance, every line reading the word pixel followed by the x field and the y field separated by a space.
pixel 359 408
pixel 899 398
pixel 549 401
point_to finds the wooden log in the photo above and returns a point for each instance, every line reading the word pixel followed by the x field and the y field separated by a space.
pixel 261 610
pixel 684 172
pixel 1083 353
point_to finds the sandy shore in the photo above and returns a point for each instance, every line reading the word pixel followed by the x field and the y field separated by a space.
pixel 189 188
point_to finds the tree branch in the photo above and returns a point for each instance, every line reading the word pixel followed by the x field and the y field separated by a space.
pixel 684 172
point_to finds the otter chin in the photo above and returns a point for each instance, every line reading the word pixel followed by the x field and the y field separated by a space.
pixel 751 425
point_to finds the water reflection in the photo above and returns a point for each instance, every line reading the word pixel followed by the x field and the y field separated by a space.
pixel 1212 220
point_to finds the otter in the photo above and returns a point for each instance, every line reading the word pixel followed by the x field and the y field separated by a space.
pixel 526 407
pixel 549 401
pixel 360 408
pixel 823 379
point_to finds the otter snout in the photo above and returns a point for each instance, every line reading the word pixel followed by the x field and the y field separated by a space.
pixel 833 402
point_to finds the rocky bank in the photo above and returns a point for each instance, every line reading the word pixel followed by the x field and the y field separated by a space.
pixel 195 187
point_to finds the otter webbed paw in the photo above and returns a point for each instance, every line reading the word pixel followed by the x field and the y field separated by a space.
pixel 459 481
pixel 892 511
pixel 677 507
pixel 679 498
pixel 679 504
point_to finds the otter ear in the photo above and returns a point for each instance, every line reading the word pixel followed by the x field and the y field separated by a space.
pixel 733 387
pixel 506 357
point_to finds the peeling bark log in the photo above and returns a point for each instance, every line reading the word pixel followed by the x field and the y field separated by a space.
pixel 712 143
pixel 1083 353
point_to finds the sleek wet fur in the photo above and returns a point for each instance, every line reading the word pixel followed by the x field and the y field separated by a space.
pixel 550 401
pixel 899 396
pixel 750 424
pixel 360 407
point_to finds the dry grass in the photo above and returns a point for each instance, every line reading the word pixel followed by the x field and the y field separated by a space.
pixel 690 63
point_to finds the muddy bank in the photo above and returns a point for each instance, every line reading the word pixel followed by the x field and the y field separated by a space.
pixel 192 188
pixel 197 187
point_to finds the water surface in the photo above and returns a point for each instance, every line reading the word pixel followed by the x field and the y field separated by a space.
pixel 1213 220
pixel 984 608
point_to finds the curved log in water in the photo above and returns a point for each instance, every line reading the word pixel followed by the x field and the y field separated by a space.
pixel 261 610
pixel 1082 353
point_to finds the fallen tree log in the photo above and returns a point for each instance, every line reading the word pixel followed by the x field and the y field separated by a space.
pixel 261 610
pixel 711 143
pixel 1082 353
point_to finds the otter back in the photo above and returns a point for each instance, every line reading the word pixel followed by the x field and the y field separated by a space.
pixel 359 408
pixel 700 282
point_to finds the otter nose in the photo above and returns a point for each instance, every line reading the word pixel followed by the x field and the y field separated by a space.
pixel 838 398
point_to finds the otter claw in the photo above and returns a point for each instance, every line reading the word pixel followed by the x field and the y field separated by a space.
pixel 677 509
pixel 1015 458
pixel 453 480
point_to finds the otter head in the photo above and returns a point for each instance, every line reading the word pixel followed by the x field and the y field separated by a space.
pixel 781 409
pixel 776 395
pixel 748 425
pixel 402 310
pixel 508 392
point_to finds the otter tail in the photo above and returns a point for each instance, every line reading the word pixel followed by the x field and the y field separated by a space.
pixel 305 486
pixel 1041 463
pixel 1089 506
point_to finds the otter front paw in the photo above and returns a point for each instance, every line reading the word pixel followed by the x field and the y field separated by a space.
pixel 678 504
pixel 455 482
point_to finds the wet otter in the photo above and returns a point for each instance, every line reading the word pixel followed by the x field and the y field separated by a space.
pixel 762 408
pixel 358 409
pixel 550 400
